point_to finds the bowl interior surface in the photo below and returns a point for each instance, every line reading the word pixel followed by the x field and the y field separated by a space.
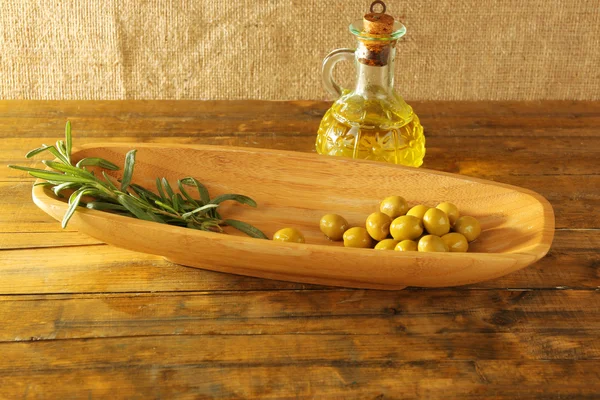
pixel 297 189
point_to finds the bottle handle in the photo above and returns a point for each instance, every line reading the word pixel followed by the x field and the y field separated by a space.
pixel 327 70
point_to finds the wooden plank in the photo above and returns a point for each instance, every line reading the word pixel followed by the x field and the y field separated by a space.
pixel 28 240
pixel 128 109
pixel 102 268
pixel 451 118
pixel 573 262
pixel 465 379
pixel 527 314
pixel 171 351
pixel 20 214
pixel 14 149
pixel 498 157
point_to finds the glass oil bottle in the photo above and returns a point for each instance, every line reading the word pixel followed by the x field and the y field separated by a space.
pixel 371 121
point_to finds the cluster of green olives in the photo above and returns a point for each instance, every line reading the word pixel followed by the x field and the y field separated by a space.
pixel 397 227
pixel 419 228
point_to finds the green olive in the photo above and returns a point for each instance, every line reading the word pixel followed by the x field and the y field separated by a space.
pixel 394 206
pixel 456 242
pixel 357 237
pixel 418 211
pixel 451 210
pixel 406 245
pixel 333 226
pixel 432 243
pixel 378 225
pixel 289 235
pixel 436 222
pixel 469 227
pixel 406 227
pixel 386 244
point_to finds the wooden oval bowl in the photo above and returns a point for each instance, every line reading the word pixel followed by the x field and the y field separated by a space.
pixel 294 190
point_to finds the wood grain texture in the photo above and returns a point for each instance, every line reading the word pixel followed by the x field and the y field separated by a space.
pixel 466 379
pixel 190 118
pixel 256 350
pixel 477 314
pixel 479 157
pixel 23 240
pixel 106 322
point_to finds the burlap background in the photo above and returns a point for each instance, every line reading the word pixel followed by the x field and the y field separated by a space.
pixel 267 49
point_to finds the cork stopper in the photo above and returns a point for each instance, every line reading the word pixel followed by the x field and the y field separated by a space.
pixel 376 24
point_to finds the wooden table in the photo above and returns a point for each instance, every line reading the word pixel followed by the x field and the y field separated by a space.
pixel 80 319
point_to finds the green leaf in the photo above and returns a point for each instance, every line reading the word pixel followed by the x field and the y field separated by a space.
pixel 165 206
pixel 98 194
pixel 202 191
pixel 68 141
pixel 160 190
pixel 211 225
pixel 50 175
pixel 73 203
pixel 65 185
pixel 54 183
pixel 128 169
pixel 101 205
pixel 76 193
pixel 29 169
pixel 109 182
pixel 185 194
pixel 188 207
pixel 168 190
pixel 58 155
pixel 131 205
pixel 199 210
pixel 37 151
pixel 142 191
pixel 54 177
pixel 246 228
pixel 69 169
pixel 51 149
pixel 97 162
pixel 177 201
pixel 60 146
pixel 240 198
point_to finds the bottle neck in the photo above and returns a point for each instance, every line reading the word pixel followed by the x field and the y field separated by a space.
pixel 375 69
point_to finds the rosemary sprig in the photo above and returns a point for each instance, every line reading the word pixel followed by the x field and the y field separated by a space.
pixel 130 199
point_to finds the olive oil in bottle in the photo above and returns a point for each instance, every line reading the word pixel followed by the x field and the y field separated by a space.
pixel 372 130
